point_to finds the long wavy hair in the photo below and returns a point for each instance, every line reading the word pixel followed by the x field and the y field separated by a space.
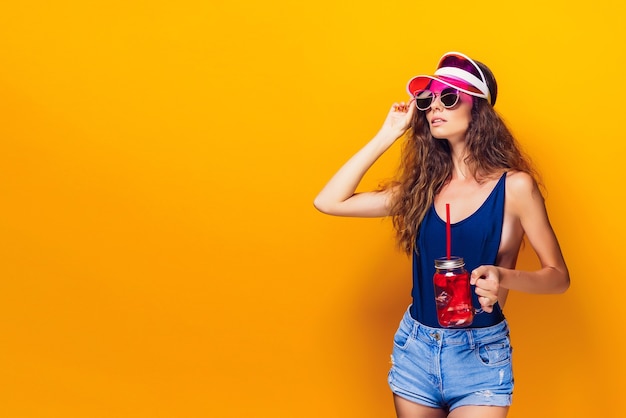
pixel 426 163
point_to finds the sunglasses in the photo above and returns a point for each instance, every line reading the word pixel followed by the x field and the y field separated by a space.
pixel 448 97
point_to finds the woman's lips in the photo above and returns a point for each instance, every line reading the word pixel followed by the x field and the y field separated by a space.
pixel 437 121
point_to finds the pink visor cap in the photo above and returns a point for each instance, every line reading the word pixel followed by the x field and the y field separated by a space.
pixel 457 71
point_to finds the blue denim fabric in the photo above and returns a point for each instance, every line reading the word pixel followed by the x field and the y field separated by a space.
pixel 449 368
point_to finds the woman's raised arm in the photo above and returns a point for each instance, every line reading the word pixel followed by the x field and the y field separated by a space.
pixel 338 197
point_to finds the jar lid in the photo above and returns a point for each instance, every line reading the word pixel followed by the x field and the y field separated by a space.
pixel 449 263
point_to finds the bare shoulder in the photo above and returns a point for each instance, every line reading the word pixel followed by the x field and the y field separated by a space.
pixel 521 185
pixel 523 194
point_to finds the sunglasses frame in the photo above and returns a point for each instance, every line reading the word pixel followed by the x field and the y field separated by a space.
pixel 445 92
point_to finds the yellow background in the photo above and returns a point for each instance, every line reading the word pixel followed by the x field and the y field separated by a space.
pixel 160 255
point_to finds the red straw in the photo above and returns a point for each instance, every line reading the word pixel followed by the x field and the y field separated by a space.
pixel 448 230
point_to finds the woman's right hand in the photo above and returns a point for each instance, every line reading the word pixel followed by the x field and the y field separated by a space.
pixel 398 119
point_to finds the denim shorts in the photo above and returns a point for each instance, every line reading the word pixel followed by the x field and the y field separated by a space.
pixel 448 368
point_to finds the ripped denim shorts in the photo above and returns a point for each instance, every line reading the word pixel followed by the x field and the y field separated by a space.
pixel 449 368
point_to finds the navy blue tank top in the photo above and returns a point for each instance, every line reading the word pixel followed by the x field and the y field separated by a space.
pixel 475 238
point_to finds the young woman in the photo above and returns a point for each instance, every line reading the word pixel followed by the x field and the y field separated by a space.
pixel 461 163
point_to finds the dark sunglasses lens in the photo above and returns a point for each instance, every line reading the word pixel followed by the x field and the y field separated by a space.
pixel 424 99
pixel 449 97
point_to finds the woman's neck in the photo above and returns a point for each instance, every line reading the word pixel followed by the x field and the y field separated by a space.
pixel 460 169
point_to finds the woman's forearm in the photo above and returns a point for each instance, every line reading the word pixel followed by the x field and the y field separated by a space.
pixel 339 196
pixel 546 280
pixel 344 183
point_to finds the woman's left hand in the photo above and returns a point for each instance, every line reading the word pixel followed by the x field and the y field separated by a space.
pixel 487 281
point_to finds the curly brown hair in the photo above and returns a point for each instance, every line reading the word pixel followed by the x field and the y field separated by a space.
pixel 426 165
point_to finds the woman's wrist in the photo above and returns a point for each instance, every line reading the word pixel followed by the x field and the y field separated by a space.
pixel 386 137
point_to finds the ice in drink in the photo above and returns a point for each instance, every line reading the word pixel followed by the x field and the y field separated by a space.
pixel 452 293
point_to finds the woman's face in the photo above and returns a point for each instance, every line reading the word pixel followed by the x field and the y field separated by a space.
pixel 452 123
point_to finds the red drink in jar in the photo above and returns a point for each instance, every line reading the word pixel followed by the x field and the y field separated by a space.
pixel 452 293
